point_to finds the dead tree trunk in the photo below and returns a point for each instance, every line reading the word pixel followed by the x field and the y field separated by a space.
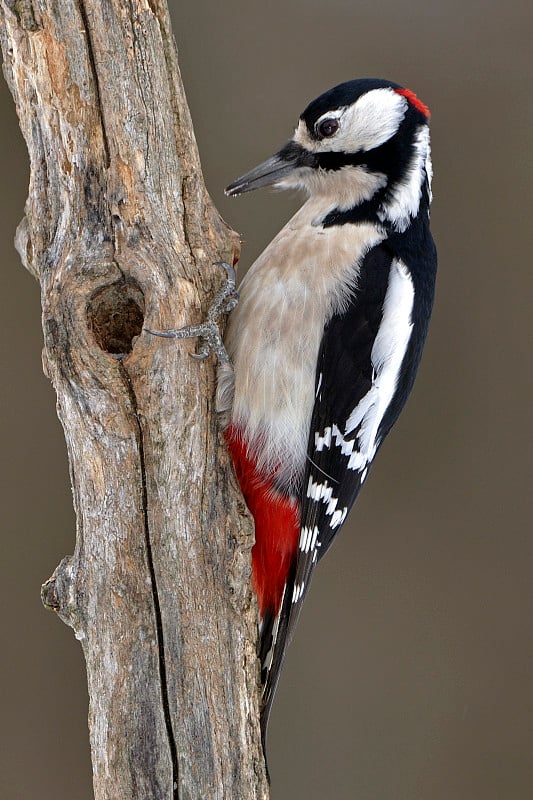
pixel 121 234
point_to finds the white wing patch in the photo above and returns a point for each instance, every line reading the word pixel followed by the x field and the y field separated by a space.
pixel 388 352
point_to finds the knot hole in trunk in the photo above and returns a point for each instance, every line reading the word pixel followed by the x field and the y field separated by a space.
pixel 116 314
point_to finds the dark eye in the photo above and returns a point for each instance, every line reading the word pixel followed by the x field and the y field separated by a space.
pixel 328 127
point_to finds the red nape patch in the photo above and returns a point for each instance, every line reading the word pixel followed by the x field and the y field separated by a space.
pixel 414 100
pixel 277 527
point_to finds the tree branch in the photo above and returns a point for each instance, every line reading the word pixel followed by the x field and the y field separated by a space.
pixel 121 234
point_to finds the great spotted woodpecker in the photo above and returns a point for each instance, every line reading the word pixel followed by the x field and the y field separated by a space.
pixel 326 339
pixel 328 334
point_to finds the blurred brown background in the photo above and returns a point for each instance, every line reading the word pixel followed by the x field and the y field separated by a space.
pixel 411 677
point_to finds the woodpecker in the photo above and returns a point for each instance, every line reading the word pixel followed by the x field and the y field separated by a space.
pixel 326 339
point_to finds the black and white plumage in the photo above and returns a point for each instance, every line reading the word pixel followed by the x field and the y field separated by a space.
pixel 328 334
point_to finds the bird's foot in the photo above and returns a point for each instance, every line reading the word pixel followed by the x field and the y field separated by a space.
pixel 208 332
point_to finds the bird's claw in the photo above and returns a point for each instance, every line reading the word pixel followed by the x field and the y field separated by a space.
pixel 208 332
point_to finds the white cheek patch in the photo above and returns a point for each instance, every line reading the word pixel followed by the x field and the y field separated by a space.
pixel 368 123
pixel 341 189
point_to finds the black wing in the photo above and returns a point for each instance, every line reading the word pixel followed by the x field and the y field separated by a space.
pixel 366 366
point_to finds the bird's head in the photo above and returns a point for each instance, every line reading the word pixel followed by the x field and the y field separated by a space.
pixel 362 143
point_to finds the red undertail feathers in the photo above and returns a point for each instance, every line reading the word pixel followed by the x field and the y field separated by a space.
pixel 276 518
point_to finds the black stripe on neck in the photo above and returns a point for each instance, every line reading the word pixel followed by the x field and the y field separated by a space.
pixel 392 159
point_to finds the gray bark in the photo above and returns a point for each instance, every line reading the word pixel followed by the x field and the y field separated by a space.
pixel 121 234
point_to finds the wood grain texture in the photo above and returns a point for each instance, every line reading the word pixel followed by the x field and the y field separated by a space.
pixel 121 234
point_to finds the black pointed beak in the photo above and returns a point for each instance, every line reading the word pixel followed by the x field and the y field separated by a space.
pixel 266 174
pixel 273 171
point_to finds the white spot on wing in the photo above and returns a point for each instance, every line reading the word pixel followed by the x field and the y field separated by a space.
pixel 332 505
pixel 323 441
pixel 346 445
pixel 323 492
pixel 356 460
pixel 338 518
pixel 308 537
pixel 297 592
pixel 304 539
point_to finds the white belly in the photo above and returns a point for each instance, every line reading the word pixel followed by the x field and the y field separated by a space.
pixel 304 276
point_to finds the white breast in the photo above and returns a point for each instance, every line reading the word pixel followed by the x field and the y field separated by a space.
pixel 304 276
